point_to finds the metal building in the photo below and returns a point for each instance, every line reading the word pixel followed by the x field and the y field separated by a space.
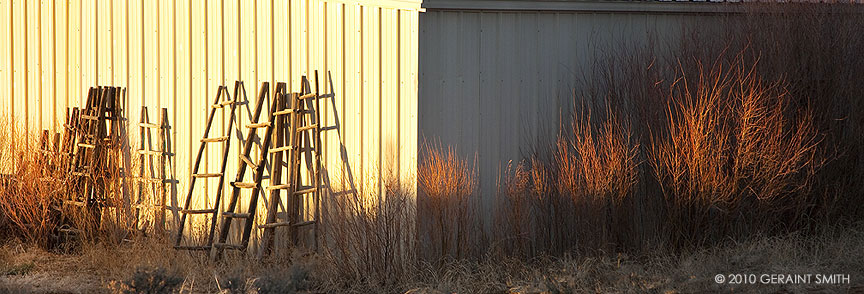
pixel 497 75
pixel 481 75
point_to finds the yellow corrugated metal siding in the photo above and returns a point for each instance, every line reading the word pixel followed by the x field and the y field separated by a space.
pixel 174 54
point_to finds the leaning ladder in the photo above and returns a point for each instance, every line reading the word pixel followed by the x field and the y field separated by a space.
pixel 303 121
pixel 217 104
pixel 87 168
pixel 155 181
pixel 245 161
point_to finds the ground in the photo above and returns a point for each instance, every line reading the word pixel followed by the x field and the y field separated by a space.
pixel 134 266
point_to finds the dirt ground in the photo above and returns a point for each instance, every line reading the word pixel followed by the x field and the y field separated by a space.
pixel 118 269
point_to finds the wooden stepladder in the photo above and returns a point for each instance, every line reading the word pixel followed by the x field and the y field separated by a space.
pixel 304 137
pixel 226 138
pixel 276 109
pixel 151 173
pixel 84 154
pixel 94 143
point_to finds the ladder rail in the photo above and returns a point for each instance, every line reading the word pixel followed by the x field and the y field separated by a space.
pixel 267 237
pixel 296 139
pixel 253 202
pixel 238 89
pixel 316 194
pixel 145 119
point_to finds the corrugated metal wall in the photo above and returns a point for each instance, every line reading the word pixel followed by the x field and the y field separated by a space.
pixel 174 54
pixel 494 83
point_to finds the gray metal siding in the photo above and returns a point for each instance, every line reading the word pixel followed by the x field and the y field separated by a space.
pixel 493 83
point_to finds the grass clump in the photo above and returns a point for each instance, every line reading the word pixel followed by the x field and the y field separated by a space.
pixel 151 280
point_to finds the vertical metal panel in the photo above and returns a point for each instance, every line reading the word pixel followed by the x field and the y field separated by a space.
pixel 408 118
pixel 19 64
pixel 34 66
pixel 174 54
pixel 6 64
pixel 45 65
pixel 353 94
pixel 389 144
pixel 371 99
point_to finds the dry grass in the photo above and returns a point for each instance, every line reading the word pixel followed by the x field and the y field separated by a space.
pixel 31 189
pixel 731 152
pixel 368 242
pixel 447 205
pixel 35 183
pixel 115 269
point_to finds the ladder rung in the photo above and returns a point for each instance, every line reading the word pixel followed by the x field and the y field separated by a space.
pixel 149 206
pixel 192 247
pixel 258 125
pixel 148 125
pixel 73 202
pixel 223 103
pixel 328 128
pixel 90 117
pixel 305 191
pixel 153 180
pixel 306 128
pixel 307 96
pixel 216 139
pixel 197 211
pixel 283 186
pixel 280 149
pixel 273 225
pixel 248 161
pixel 73 231
pixel 284 112
pixel 325 96
pixel 306 223
pixel 228 246
pixel 235 215
pixel 244 185
pixel 149 152
pixel 207 175
pixel 86 145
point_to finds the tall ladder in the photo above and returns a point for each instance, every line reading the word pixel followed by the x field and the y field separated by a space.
pixel 258 171
pixel 91 165
pixel 305 119
pixel 115 160
pixel 217 104
pixel 152 160
pixel 84 151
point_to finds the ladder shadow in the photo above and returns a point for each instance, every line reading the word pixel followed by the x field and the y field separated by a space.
pixel 347 174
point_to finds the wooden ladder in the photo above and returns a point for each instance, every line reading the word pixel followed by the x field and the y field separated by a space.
pixel 305 118
pixel 276 109
pixel 91 129
pixel 155 181
pixel 217 104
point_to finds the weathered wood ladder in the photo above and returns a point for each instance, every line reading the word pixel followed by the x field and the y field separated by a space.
pixel 156 179
pixel 217 104
pixel 276 109
pixel 91 139
pixel 305 118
